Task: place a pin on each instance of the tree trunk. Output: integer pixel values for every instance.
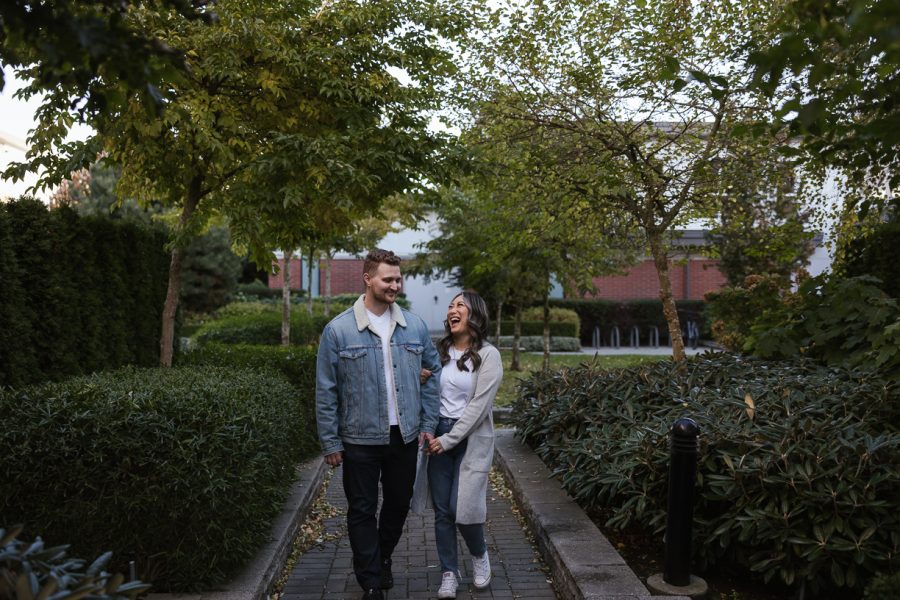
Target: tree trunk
(517, 334)
(499, 321)
(327, 307)
(546, 364)
(167, 334)
(661, 260)
(309, 278)
(286, 299)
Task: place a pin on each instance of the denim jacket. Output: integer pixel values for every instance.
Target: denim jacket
(351, 399)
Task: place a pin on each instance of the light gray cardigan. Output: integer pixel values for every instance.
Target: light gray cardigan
(477, 425)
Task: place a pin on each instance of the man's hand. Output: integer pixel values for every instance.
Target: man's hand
(425, 439)
(335, 458)
(424, 374)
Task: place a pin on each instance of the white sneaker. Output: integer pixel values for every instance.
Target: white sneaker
(482, 569)
(448, 585)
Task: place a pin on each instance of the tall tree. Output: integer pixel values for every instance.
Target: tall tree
(837, 64)
(90, 49)
(278, 97)
(650, 93)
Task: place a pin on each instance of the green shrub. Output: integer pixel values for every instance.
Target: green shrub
(557, 329)
(209, 271)
(31, 570)
(848, 322)
(262, 328)
(798, 475)
(77, 294)
(733, 310)
(534, 343)
(875, 254)
(884, 587)
(185, 468)
(557, 315)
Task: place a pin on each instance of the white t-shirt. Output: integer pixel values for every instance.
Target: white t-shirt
(456, 386)
(382, 326)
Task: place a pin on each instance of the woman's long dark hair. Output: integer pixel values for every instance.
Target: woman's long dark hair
(478, 332)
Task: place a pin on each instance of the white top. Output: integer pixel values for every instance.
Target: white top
(456, 386)
(382, 326)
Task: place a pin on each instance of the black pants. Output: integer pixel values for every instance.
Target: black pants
(395, 466)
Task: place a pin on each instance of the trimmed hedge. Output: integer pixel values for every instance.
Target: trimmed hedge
(557, 329)
(77, 295)
(262, 328)
(533, 343)
(184, 468)
(799, 469)
(643, 313)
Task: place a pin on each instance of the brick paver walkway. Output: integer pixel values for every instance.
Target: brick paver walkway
(325, 571)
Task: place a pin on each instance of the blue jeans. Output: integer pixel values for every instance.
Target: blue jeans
(443, 479)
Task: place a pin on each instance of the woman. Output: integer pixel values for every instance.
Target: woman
(463, 447)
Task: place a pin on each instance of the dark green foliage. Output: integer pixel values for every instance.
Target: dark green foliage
(79, 294)
(16, 360)
(209, 272)
(799, 468)
(732, 311)
(847, 322)
(296, 364)
(625, 315)
(557, 329)
(262, 328)
(48, 573)
(183, 467)
(884, 587)
(876, 254)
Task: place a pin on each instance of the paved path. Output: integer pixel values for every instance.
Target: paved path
(325, 573)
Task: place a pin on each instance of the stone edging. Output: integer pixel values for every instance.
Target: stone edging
(584, 564)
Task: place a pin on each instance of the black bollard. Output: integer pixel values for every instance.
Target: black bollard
(679, 522)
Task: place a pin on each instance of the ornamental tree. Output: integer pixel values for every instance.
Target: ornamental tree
(278, 97)
(650, 95)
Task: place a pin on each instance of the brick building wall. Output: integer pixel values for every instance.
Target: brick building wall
(346, 276)
(276, 280)
(690, 281)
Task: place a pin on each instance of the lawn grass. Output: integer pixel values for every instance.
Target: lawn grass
(531, 362)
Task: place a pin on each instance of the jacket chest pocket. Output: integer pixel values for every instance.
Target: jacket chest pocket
(412, 352)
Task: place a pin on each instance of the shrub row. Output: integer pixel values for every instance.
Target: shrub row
(641, 313)
(557, 329)
(535, 343)
(181, 468)
(263, 327)
(799, 469)
(76, 294)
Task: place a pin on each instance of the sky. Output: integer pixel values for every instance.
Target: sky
(16, 120)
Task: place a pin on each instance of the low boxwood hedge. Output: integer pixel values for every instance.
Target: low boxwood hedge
(557, 329)
(535, 343)
(262, 327)
(799, 470)
(182, 469)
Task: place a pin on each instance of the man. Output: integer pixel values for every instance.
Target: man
(373, 412)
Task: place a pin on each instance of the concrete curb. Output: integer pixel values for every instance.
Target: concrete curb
(585, 565)
(258, 576)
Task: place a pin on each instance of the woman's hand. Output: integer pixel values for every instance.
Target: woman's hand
(435, 447)
(424, 375)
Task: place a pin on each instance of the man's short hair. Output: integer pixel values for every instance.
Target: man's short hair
(378, 256)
